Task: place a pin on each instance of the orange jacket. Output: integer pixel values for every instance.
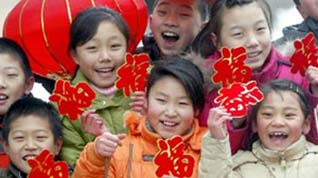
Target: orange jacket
(142, 144)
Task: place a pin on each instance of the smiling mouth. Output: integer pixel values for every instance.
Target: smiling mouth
(253, 54)
(170, 36)
(168, 124)
(3, 97)
(28, 157)
(278, 135)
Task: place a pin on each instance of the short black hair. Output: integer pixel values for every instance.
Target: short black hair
(32, 106)
(202, 5)
(86, 23)
(297, 2)
(183, 70)
(8, 46)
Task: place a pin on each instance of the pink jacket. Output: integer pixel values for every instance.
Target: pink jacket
(276, 67)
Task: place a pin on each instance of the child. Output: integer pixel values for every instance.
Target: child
(174, 24)
(174, 99)
(247, 23)
(281, 121)
(30, 126)
(16, 81)
(98, 44)
(308, 9)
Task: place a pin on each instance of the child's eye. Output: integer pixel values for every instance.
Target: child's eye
(185, 15)
(266, 115)
(161, 100)
(184, 103)
(260, 29)
(161, 12)
(12, 75)
(290, 115)
(115, 46)
(237, 34)
(18, 138)
(41, 138)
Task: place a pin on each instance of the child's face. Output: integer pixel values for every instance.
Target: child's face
(280, 120)
(246, 26)
(174, 24)
(170, 110)
(28, 137)
(100, 57)
(310, 7)
(12, 82)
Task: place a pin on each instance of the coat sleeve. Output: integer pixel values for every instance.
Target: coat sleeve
(74, 140)
(216, 160)
(89, 164)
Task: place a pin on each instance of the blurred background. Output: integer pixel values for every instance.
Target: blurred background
(284, 13)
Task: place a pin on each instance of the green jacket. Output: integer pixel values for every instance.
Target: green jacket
(111, 110)
(11, 172)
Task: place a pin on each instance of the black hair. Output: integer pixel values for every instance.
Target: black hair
(86, 23)
(202, 6)
(8, 46)
(297, 2)
(203, 44)
(183, 70)
(279, 86)
(27, 106)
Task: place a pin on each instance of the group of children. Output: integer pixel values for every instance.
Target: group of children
(120, 134)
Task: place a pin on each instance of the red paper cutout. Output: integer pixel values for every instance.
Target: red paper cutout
(306, 54)
(70, 100)
(171, 159)
(230, 67)
(43, 166)
(238, 96)
(133, 74)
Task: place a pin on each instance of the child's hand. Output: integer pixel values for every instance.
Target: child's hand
(92, 123)
(217, 122)
(106, 144)
(312, 76)
(138, 102)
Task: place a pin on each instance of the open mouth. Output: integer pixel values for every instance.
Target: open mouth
(253, 54)
(168, 124)
(3, 97)
(28, 157)
(278, 135)
(170, 36)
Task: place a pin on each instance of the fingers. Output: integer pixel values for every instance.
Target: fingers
(138, 102)
(312, 74)
(217, 122)
(107, 143)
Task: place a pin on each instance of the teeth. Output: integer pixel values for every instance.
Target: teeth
(170, 34)
(3, 97)
(29, 157)
(253, 54)
(104, 70)
(278, 134)
(170, 124)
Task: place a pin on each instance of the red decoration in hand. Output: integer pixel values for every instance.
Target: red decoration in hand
(172, 160)
(306, 54)
(72, 100)
(230, 67)
(43, 166)
(133, 74)
(42, 28)
(238, 96)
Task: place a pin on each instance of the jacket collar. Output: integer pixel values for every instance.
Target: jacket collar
(16, 172)
(294, 151)
(137, 126)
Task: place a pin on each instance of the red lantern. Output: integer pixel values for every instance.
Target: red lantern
(42, 27)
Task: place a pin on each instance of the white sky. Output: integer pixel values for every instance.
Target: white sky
(284, 13)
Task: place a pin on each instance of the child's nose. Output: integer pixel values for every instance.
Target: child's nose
(30, 144)
(172, 19)
(278, 121)
(3, 82)
(171, 111)
(104, 56)
(252, 41)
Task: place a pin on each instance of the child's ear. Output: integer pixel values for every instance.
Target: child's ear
(5, 147)
(58, 146)
(29, 85)
(306, 126)
(254, 126)
(214, 39)
(73, 54)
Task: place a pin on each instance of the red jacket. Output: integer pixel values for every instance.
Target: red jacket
(276, 67)
(143, 144)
